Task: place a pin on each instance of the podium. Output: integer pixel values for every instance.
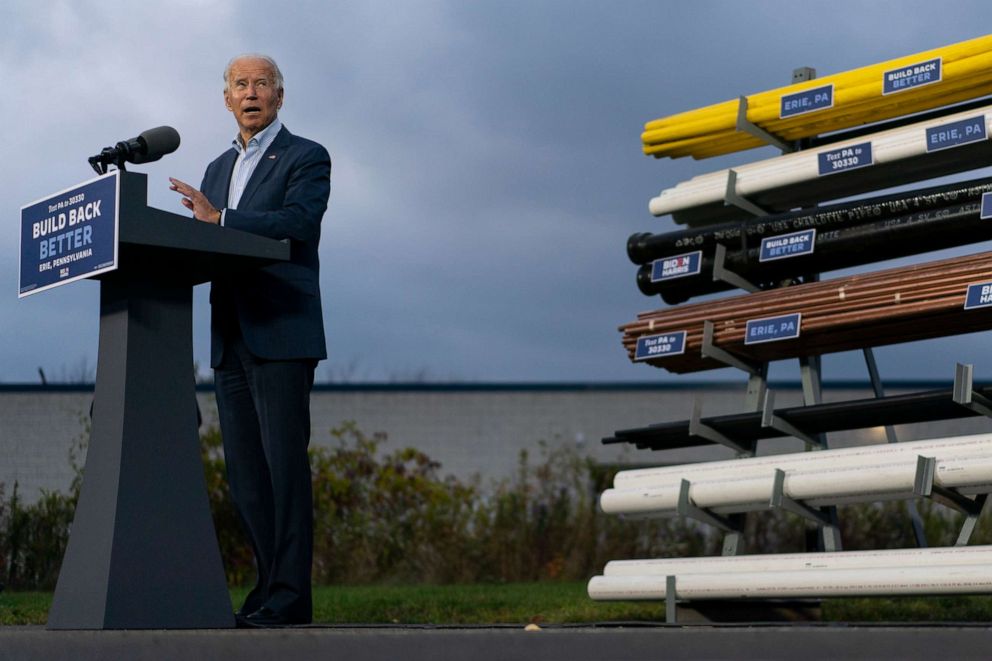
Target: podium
(142, 552)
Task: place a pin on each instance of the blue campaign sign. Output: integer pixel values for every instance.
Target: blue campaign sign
(911, 75)
(799, 103)
(978, 296)
(69, 235)
(659, 346)
(956, 133)
(787, 245)
(679, 266)
(845, 158)
(986, 206)
(772, 329)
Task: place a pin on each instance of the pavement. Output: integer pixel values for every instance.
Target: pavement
(632, 642)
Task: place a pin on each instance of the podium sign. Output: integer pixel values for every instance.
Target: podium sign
(70, 235)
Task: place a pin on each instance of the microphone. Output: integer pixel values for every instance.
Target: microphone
(150, 146)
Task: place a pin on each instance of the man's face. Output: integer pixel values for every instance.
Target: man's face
(252, 96)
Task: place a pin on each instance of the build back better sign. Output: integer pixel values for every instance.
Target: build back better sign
(69, 235)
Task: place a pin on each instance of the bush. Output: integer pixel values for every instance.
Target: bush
(392, 517)
(33, 537)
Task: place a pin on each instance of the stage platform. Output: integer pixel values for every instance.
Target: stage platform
(557, 643)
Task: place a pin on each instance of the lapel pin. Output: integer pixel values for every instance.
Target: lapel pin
(272, 157)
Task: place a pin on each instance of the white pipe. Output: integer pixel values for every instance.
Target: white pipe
(812, 485)
(875, 581)
(929, 557)
(887, 147)
(974, 445)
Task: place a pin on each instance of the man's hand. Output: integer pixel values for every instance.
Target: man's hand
(196, 202)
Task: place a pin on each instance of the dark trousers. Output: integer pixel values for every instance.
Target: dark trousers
(264, 410)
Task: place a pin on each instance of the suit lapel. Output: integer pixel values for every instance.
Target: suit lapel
(265, 166)
(216, 186)
(227, 167)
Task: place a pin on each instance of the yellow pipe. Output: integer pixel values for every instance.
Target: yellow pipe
(855, 114)
(977, 72)
(966, 72)
(872, 73)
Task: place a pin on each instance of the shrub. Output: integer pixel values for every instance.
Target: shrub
(392, 517)
(33, 537)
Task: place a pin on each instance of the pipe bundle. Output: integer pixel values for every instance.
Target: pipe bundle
(847, 235)
(731, 564)
(904, 409)
(886, 307)
(865, 482)
(784, 182)
(660, 476)
(829, 477)
(858, 98)
(645, 247)
(805, 583)
(947, 570)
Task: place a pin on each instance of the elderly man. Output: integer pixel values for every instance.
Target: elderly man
(267, 334)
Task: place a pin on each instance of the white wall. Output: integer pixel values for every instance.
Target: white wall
(468, 428)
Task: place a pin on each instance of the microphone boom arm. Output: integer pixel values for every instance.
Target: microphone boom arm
(150, 146)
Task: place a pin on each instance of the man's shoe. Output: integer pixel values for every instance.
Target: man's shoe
(245, 611)
(265, 618)
(252, 603)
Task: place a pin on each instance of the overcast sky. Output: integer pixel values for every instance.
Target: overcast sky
(487, 164)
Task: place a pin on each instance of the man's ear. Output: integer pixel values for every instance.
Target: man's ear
(227, 100)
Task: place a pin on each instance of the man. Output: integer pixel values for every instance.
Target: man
(267, 334)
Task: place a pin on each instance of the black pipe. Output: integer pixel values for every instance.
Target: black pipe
(909, 408)
(645, 247)
(902, 236)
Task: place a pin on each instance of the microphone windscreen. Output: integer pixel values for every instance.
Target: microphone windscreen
(158, 142)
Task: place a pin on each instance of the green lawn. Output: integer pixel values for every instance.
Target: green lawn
(523, 603)
(518, 603)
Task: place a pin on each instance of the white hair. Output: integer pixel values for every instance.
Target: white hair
(276, 74)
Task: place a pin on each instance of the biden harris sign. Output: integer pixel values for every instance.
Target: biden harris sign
(69, 235)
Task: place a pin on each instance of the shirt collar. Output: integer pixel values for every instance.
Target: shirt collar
(263, 138)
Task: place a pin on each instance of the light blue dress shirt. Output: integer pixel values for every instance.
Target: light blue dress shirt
(248, 158)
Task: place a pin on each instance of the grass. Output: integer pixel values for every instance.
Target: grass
(910, 609)
(24, 607)
(523, 603)
(513, 603)
(506, 603)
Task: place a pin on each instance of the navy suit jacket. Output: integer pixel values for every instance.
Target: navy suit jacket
(277, 306)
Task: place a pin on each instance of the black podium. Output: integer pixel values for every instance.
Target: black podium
(142, 552)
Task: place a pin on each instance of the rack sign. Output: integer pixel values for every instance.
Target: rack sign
(956, 133)
(784, 246)
(800, 103)
(845, 158)
(659, 346)
(978, 296)
(679, 266)
(773, 329)
(911, 76)
(986, 212)
(70, 235)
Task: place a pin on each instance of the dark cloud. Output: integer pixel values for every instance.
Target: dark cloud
(487, 158)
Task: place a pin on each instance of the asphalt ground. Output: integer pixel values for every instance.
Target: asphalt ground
(561, 643)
